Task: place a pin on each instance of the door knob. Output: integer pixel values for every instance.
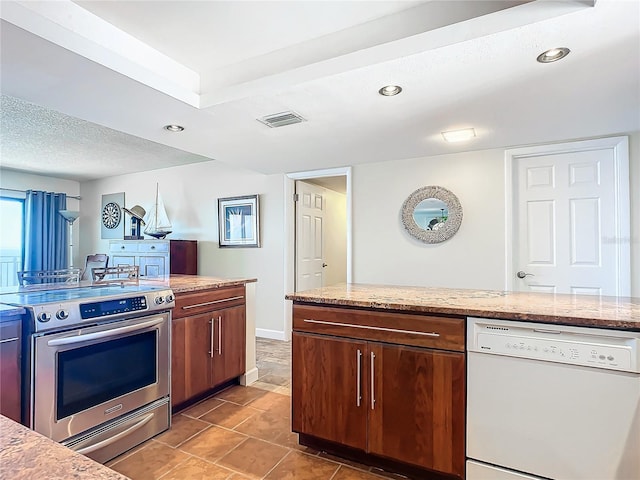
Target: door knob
(324, 264)
(522, 274)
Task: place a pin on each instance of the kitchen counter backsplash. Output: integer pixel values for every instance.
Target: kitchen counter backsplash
(580, 310)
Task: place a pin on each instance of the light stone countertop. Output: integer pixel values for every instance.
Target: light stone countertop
(27, 455)
(193, 283)
(578, 310)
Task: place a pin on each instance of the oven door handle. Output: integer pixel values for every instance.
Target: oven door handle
(116, 437)
(112, 332)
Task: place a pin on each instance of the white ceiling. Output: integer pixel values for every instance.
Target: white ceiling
(87, 86)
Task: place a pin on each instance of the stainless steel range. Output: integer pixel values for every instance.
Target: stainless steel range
(98, 365)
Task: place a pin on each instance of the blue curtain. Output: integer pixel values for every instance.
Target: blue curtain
(46, 242)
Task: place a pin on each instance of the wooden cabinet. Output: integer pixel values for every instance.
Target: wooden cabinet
(183, 256)
(10, 378)
(208, 342)
(389, 384)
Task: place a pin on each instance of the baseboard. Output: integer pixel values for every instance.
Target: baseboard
(249, 377)
(273, 334)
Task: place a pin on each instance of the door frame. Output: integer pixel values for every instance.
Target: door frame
(290, 231)
(620, 147)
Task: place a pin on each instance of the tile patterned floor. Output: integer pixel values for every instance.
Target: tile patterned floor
(240, 433)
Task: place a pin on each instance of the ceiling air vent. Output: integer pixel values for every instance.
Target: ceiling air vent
(281, 119)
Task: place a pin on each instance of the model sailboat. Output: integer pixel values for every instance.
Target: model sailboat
(156, 220)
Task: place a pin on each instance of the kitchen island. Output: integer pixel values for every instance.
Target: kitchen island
(25, 454)
(380, 372)
(576, 310)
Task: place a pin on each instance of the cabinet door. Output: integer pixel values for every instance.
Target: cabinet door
(418, 413)
(10, 383)
(122, 261)
(152, 265)
(229, 344)
(329, 397)
(178, 367)
(199, 350)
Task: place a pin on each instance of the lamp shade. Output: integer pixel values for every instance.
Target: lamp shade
(69, 215)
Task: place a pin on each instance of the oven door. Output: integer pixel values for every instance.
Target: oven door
(85, 377)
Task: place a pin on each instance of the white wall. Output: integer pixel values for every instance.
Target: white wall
(190, 196)
(384, 253)
(474, 258)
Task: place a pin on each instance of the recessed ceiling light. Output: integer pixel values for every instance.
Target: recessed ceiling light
(174, 128)
(553, 55)
(390, 90)
(459, 135)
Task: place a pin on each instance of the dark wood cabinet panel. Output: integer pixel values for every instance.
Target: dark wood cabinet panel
(329, 399)
(419, 413)
(178, 357)
(199, 344)
(10, 378)
(183, 257)
(230, 345)
(412, 408)
(209, 342)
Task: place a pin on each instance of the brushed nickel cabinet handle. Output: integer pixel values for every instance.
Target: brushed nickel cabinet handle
(373, 381)
(220, 335)
(369, 327)
(213, 302)
(211, 339)
(358, 378)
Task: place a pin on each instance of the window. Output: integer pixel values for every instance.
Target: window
(11, 239)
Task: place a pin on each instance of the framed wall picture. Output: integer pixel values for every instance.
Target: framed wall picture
(238, 221)
(112, 216)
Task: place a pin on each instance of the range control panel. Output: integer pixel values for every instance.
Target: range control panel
(68, 314)
(609, 349)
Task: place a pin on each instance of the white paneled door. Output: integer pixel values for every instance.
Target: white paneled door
(571, 218)
(310, 220)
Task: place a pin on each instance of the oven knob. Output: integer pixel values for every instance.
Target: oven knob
(159, 300)
(62, 314)
(44, 317)
(169, 298)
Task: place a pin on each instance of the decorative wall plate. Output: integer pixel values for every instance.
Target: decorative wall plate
(432, 214)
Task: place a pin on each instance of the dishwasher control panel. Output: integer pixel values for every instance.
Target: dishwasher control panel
(608, 349)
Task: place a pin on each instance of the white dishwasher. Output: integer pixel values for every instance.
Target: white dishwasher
(551, 401)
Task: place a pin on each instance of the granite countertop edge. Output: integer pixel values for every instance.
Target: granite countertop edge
(194, 283)
(550, 313)
(27, 454)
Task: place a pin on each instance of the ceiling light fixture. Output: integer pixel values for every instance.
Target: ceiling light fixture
(390, 90)
(553, 55)
(459, 135)
(174, 128)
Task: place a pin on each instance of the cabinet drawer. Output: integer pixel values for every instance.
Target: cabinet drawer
(10, 330)
(206, 300)
(153, 247)
(123, 247)
(431, 331)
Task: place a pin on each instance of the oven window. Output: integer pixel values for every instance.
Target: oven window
(90, 375)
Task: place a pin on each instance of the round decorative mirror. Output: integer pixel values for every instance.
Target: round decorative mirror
(432, 214)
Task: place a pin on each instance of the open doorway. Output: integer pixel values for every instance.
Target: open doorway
(336, 183)
(320, 232)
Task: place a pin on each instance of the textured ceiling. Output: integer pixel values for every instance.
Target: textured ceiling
(461, 64)
(55, 144)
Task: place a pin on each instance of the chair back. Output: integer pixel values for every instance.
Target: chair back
(99, 260)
